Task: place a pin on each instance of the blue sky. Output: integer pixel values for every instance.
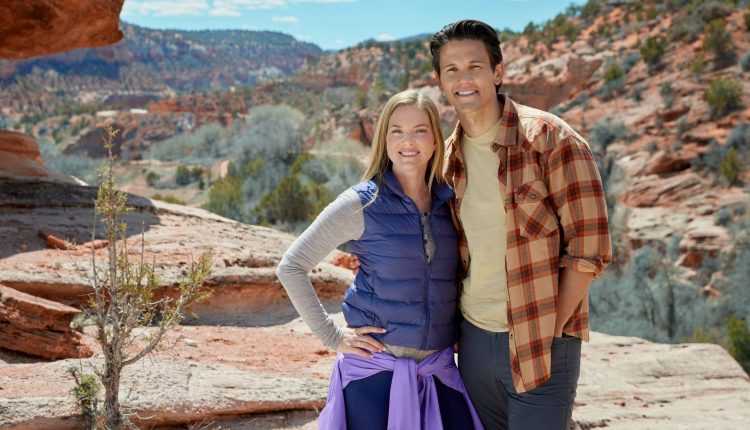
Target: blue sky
(336, 24)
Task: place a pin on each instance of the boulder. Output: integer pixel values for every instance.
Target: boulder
(20, 158)
(39, 327)
(41, 27)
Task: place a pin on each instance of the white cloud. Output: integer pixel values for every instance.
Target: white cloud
(165, 7)
(286, 19)
(385, 38)
(217, 11)
(211, 7)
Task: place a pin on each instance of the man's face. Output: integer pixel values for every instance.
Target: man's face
(466, 77)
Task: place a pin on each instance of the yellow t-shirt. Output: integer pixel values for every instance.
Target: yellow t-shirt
(484, 293)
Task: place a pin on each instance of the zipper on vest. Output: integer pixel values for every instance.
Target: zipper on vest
(428, 266)
(427, 278)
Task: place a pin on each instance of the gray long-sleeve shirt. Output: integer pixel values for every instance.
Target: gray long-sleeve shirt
(338, 223)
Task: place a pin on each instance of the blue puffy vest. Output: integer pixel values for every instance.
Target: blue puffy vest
(395, 287)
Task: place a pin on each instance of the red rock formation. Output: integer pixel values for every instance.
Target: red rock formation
(537, 89)
(39, 327)
(19, 155)
(40, 27)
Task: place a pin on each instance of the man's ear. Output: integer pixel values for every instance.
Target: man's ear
(499, 71)
(437, 79)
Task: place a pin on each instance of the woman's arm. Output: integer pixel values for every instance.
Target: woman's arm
(338, 223)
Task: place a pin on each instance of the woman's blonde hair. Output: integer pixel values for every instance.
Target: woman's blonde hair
(380, 162)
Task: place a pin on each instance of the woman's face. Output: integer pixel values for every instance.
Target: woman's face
(409, 140)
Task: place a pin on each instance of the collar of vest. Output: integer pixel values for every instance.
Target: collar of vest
(441, 192)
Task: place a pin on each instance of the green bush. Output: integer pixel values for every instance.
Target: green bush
(739, 341)
(723, 95)
(86, 389)
(226, 198)
(717, 40)
(731, 167)
(152, 178)
(614, 71)
(182, 177)
(747, 21)
(653, 49)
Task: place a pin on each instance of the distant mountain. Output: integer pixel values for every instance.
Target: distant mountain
(149, 61)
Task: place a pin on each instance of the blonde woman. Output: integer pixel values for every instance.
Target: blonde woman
(395, 367)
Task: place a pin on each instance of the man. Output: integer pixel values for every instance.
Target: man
(533, 232)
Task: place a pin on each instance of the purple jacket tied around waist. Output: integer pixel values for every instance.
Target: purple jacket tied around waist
(413, 399)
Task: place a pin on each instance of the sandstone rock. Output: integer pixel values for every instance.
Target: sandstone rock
(20, 158)
(543, 89)
(162, 391)
(672, 114)
(646, 191)
(631, 384)
(245, 288)
(38, 327)
(668, 162)
(43, 27)
(626, 383)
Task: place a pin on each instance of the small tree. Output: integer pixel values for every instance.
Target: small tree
(125, 294)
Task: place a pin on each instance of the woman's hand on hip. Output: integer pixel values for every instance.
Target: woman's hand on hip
(357, 341)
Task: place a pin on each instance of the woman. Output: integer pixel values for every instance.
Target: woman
(398, 359)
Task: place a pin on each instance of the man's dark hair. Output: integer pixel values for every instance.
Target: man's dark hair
(462, 30)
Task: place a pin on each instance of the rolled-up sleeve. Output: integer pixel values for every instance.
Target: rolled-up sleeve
(577, 195)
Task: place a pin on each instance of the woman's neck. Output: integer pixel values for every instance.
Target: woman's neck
(414, 186)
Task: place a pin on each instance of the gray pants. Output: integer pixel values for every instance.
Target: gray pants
(484, 363)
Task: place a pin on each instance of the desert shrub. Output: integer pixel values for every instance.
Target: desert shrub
(226, 198)
(667, 94)
(723, 95)
(605, 132)
(591, 9)
(739, 341)
(152, 178)
(205, 143)
(717, 40)
(745, 61)
(612, 89)
(698, 66)
(637, 92)
(731, 167)
(723, 216)
(630, 61)
(652, 51)
(614, 71)
(727, 161)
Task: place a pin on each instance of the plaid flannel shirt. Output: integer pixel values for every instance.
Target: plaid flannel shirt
(557, 217)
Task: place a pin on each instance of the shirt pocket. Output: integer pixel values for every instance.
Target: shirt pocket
(533, 216)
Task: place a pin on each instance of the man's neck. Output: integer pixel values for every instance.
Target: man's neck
(478, 122)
